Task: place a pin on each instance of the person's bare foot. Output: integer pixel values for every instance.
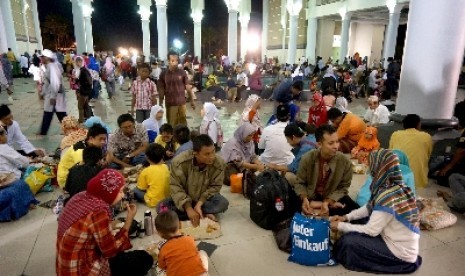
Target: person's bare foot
(212, 217)
(32, 206)
(446, 196)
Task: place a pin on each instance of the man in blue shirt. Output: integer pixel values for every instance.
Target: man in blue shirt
(288, 91)
(295, 136)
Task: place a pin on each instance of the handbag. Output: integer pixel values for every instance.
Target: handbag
(310, 241)
(282, 235)
(37, 178)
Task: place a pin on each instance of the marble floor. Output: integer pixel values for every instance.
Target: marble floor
(27, 246)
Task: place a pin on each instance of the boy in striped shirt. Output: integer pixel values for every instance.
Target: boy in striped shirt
(144, 93)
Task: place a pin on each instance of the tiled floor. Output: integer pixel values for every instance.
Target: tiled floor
(27, 246)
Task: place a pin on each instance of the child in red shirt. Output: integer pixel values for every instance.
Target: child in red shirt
(179, 255)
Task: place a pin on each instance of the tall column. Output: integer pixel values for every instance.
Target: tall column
(144, 11)
(428, 85)
(233, 8)
(162, 29)
(266, 6)
(390, 40)
(345, 16)
(25, 7)
(293, 7)
(87, 14)
(35, 14)
(197, 15)
(244, 18)
(312, 28)
(3, 35)
(78, 23)
(284, 28)
(9, 27)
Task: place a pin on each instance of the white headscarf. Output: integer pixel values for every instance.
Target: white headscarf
(151, 123)
(109, 64)
(56, 72)
(211, 112)
(253, 98)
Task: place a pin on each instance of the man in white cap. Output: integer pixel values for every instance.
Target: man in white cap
(52, 91)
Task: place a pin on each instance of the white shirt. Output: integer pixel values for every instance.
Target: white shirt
(23, 62)
(16, 137)
(380, 115)
(11, 160)
(277, 149)
(242, 78)
(402, 242)
(156, 73)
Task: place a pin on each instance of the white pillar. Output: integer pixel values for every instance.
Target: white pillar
(284, 28)
(428, 85)
(266, 6)
(162, 29)
(144, 11)
(293, 7)
(9, 27)
(87, 10)
(89, 37)
(312, 28)
(244, 35)
(35, 14)
(197, 7)
(3, 36)
(233, 7)
(78, 22)
(198, 39)
(25, 6)
(390, 40)
(345, 16)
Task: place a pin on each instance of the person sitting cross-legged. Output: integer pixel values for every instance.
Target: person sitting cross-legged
(196, 180)
(153, 184)
(80, 174)
(127, 145)
(324, 177)
(389, 241)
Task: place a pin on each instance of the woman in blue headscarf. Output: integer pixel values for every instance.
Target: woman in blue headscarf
(389, 241)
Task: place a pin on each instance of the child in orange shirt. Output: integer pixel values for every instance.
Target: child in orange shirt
(179, 255)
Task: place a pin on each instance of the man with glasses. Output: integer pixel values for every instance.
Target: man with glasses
(15, 135)
(127, 145)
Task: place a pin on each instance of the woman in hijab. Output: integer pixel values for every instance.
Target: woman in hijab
(108, 76)
(72, 131)
(389, 241)
(211, 124)
(153, 123)
(83, 86)
(52, 91)
(407, 175)
(251, 114)
(239, 153)
(367, 143)
(85, 243)
(317, 113)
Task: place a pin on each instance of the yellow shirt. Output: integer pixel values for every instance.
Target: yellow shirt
(159, 141)
(417, 145)
(69, 159)
(155, 180)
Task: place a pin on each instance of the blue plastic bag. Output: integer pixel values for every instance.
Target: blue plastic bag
(310, 241)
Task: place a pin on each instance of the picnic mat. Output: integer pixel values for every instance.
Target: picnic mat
(207, 230)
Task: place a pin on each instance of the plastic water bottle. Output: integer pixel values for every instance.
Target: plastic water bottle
(59, 205)
(148, 223)
(279, 205)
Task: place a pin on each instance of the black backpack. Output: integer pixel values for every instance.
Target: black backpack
(269, 202)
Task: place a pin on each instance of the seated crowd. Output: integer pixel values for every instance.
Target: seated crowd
(183, 175)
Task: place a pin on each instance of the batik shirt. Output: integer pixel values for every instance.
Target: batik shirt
(122, 145)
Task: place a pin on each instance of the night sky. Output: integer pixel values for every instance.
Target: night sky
(116, 22)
